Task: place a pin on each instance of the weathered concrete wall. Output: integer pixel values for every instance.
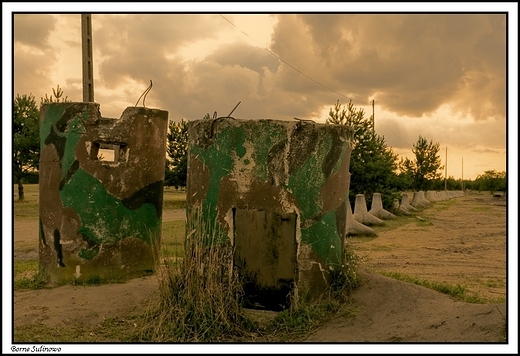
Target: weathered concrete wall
(278, 191)
(100, 217)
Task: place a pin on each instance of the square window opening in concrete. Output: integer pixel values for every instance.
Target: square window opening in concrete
(265, 255)
(109, 152)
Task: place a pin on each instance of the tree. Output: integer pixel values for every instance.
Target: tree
(426, 164)
(372, 163)
(177, 150)
(26, 134)
(405, 175)
(56, 97)
(26, 139)
(491, 181)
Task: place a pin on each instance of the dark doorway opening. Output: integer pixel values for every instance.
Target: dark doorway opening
(265, 255)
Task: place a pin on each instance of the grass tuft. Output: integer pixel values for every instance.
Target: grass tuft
(457, 291)
(36, 280)
(199, 297)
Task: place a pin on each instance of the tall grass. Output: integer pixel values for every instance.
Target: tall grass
(200, 292)
(200, 297)
(172, 239)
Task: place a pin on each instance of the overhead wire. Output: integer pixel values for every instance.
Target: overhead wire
(317, 82)
(383, 121)
(308, 77)
(290, 65)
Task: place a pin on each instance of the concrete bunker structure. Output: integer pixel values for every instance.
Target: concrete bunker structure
(277, 191)
(101, 191)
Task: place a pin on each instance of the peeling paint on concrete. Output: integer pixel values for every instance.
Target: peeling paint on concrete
(279, 167)
(104, 212)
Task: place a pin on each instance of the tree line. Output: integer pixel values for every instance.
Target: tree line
(374, 167)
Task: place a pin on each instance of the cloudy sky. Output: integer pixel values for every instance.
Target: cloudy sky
(439, 71)
(439, 75)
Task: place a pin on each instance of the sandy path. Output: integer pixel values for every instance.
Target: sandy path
(465, 243)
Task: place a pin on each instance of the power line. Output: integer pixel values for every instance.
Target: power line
(290, 65)
(395, 134)
(315, 81)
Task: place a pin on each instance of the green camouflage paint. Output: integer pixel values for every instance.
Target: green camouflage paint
(306, 182)
(324, 239)
(104, 218)
(286, 167)
(100, 218)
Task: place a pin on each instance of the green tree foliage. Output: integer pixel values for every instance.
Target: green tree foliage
(56, 97)
(449, 184)
(425, 168)
(26, 135)
(372, 163)
(177, 150)
(405, 175)
(491, 181)
(26, 139)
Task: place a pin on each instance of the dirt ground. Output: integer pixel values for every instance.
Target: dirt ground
(465, 244)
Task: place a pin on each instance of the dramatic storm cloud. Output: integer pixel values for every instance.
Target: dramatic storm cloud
(442, 76)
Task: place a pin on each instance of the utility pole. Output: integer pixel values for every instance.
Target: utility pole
(446, 172)
(462, 173)
(86, 49)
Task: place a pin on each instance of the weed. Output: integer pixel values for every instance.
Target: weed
(38, 280)
(346, 279)
(174, 199)
(109, 330)
(392, 224)
(25, 266)
(302, 317)
(291, 324)
(456, 291)
(494, 283)
(201, 295)
(172, 242)
(198, 297)
(174, 204)
(444, 204)
(201, 299)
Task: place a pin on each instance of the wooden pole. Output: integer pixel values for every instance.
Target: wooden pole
(86, 47)
(462, 173)
(446, 172)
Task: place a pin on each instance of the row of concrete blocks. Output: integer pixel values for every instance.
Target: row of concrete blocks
(421, 200)
(358, 222)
